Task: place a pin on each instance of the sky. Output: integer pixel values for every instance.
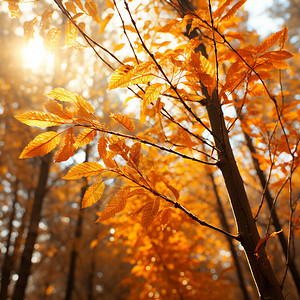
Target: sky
(259, 19)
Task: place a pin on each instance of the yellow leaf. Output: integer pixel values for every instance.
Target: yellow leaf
(79, 4)
(105, 22)
(41, 145)
(93, 194)
(85, 137)
(151, 95)
(14, 9)
(92, 10)
(71, 7)
(68, 148)
(120, 77)
(40, 119)
(123, 120)
(85, 169)
(62, 95)
(57, 109)
(51, 39)
(232, 11)
(109, 4)
(119, 46)
(71, 33)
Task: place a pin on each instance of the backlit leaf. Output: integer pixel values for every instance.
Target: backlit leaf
(57, 109)
(232, 11)
(85, 169)
(85, 137)
(151, 95)
(40, 119)
(93, 194)
(270, 41)
(102, 145)
(71, 33)
(52, 38)
(41, 145)
(68, 148)
(123, 120)
(62, 95)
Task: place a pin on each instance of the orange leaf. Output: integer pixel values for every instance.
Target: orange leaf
(85, 137)
(40, 119)
(232, 11)
(151, 95)
(263, 240)
(68, 148)
(150, 210)
(57, 109)
(102, 144)
(135, 153)
(115, 205)
(165, 217)
(270, 41)
(93, 194)
(105, 22)
(85, 169)
(123, 120)
(41, 145)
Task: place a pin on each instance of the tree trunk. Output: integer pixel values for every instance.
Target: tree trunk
(275, 219)
(225, 225)
(7, 264)
(263, 275)
(77, 237)
(25, 265)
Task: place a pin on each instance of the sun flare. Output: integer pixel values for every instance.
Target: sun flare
(35, 56)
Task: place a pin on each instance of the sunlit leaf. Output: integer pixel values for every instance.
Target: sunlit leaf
(93, 194)
(41, 145)
(85, 169)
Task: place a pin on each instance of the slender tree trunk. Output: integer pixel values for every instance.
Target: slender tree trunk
(7, 266)
(263, 275)
(77, 237)
(25, 265)
(226, 226)
(275, 219)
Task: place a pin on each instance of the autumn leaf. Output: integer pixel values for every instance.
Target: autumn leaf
(40, 119)
(41, 145)
(68, 148)
(93, 194)
(57, 109)
(85, 137)
(150, 210)
(264, 240)
(135, 153)
(85, 169)
(62, 95)
(232, 11)
(52, 38)
(105, 22)
(71, 33)
(102, 145)
(123, 120)
(116, 205)
(151, 95)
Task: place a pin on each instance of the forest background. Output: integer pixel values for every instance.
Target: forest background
(144, 139)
